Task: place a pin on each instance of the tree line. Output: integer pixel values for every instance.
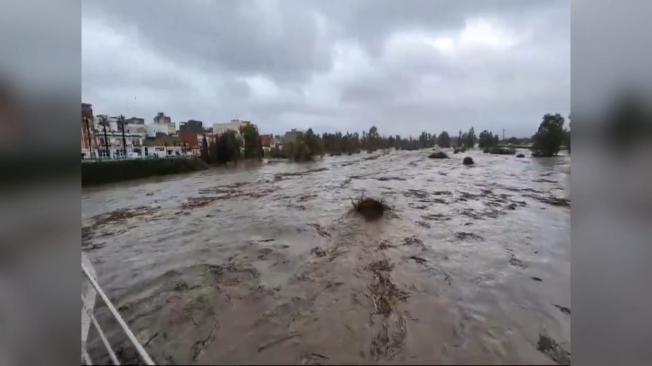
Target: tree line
(226, 147)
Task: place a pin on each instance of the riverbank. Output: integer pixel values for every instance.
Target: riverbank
(102, 172)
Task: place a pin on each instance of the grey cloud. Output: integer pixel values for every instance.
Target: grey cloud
(331, 64)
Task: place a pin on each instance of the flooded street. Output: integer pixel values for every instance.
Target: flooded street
(268, 264)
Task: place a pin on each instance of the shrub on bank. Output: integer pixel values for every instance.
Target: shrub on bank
(118, 170)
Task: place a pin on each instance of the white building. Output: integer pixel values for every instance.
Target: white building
(134, 143)
(155, 128)
(162, 124)
(234, 125)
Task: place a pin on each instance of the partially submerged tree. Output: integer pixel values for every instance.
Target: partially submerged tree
(427, 140)
(567, 138)
(313, 142)
(444, 140)
(304, 147)
(469, 139)
(251, 138)
(438, 155)
(487, 140)
(226, 148)
(204, 149)
(549, 136)
(373, 139)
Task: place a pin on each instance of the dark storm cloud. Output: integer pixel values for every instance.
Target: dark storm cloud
(404, 66)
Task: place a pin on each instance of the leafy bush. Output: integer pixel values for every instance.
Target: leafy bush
(549, 136)
(252, 143)
(438, 155)
(226, 148)
(499, 150)
(118, 170)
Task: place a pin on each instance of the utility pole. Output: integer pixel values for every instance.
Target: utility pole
(503, 134)
(121, 120)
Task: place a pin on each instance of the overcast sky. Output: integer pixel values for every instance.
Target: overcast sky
(404, 66)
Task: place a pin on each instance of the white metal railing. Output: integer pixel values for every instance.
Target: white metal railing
(116, 315)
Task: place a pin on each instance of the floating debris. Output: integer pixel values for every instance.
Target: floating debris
(468, 236)
(418, 259)
(563, 309)
(323, 233)
(318, 252)
(371, 209)
(438, 155)
(517, 262)
(551, 348)
(281, 176)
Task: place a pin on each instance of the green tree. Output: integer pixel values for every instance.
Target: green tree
(226, 148)
(444, 140)
(469, 139)
(298, 150)
(373, 139)
(252, 145)
(487, 140)
(204, 149)
(426, 140)
(104, 122)
(549, 136)
(313, 142)
(567, 138)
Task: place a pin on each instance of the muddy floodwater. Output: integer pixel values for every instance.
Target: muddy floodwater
(266, 263)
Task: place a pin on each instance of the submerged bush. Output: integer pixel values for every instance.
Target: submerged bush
(370, 208)
(500, 150)
(468, 161)
(549, 136)
(438, 155)
(117, 170)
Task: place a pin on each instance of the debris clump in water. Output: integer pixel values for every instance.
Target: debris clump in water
(551, 348)
(370, 208)
(438, 155)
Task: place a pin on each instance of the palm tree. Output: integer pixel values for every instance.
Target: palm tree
(121, 121)
(87, 129)
(103, 121)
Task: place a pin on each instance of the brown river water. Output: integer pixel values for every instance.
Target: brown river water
(266, 263)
